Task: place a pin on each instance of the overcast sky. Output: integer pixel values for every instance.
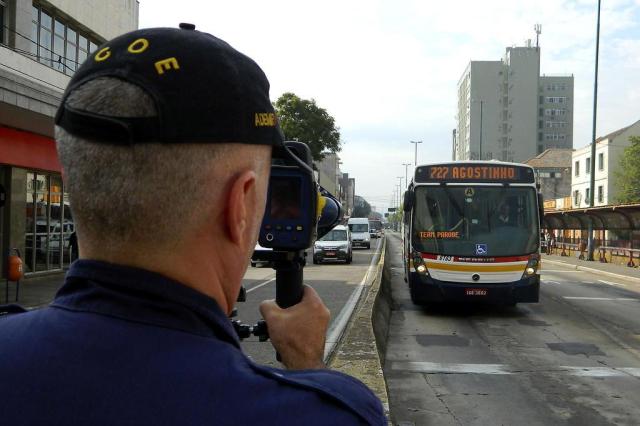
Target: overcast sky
(388, 70)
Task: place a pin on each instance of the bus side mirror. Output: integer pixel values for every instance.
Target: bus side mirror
(407, 204)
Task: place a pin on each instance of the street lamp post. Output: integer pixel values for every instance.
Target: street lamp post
(592, 182)
(481, 103)
(481, 123)
(415, 161)
(406, 179)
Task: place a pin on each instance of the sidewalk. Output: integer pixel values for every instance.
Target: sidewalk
(35, 292)
(609, 269)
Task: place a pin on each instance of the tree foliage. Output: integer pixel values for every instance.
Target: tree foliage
(628, 173)
(303, 120)
(361, 208)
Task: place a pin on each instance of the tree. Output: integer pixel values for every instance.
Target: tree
(362, 208)
(304, 120)
(628, 173)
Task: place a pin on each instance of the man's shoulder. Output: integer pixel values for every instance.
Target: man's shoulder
(340, 390)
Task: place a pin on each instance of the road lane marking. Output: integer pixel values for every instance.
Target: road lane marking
(503, 369)
(627, 299)
(261, 284)
(550, 282)
(441, 368)
(542, 271)
(612, 283)
(338, 326)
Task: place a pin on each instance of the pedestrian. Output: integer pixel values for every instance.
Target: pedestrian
(73, 247)
(165, 139)
(552, 242)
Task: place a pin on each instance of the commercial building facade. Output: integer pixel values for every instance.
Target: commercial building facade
(502, 107)
(42, 43)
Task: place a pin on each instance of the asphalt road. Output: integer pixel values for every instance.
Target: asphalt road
(572, 359)
(335, 282)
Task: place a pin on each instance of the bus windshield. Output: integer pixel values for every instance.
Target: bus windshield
(475, 220)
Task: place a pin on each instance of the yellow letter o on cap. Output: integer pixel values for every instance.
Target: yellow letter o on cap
(103, 54)
(138, 46)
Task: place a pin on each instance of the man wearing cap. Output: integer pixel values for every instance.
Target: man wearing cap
(165, 137)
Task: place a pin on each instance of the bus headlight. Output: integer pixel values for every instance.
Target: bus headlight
(532, 266)
(418, 264)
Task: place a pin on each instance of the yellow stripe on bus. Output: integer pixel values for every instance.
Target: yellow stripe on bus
(476, 267)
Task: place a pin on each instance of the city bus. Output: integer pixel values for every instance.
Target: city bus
(471, 233)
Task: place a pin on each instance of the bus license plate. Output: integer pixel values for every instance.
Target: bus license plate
(475, 291)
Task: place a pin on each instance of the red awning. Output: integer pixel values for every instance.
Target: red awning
(28, 150)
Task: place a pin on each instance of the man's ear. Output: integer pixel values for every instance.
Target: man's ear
(241, 203)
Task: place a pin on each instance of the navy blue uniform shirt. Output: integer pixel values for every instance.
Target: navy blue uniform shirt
(120, 346)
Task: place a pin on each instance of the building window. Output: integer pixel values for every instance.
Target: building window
(576, 198)
(556, 99)
(577, 168)
(600, 194)
(588, 165)
(555, 136)
(587, 194)
(48, 221)
(56, 44)
(601, 161)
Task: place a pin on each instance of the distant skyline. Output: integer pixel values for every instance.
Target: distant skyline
(388, 71)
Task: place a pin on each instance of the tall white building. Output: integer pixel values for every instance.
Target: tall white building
(42, 43)
(502, 107)
(609, 150)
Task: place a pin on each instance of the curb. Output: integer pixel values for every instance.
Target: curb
(357, 353)
(592, 270)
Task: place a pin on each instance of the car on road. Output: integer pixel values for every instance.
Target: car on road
(335, 245)
(254, 259)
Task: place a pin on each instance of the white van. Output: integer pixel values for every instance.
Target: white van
(359, 227)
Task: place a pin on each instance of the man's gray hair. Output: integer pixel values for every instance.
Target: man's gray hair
(149, 194)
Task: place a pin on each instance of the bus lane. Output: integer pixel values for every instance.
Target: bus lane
(572, 358)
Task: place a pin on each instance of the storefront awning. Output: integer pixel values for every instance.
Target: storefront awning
(29, 150)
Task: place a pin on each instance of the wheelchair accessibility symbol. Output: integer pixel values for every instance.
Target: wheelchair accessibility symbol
(481, 249)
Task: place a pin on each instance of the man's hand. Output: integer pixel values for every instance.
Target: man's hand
(298, 332)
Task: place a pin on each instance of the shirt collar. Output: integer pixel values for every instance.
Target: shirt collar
(142, 296)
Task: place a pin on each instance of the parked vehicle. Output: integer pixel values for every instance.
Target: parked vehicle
(335, 245)
(360, 236)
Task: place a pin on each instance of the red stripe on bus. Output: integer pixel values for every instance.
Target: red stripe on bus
(470, 259)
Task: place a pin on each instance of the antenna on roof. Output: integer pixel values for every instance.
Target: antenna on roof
(538, 30)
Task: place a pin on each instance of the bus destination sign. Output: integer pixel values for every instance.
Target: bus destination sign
(469, 172)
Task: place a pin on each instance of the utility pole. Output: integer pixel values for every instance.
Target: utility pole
(415, 160)
(592, 183)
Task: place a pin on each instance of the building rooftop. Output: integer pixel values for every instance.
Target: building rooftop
(551, 158)
(612, 135)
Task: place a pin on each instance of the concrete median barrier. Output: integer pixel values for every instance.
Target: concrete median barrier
(359, 351)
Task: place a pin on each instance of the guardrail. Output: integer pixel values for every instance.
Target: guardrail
(570, 249)
(629, 253)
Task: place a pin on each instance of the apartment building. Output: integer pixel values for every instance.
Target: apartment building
(502, 107)
(609, 150)
(42, 44)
